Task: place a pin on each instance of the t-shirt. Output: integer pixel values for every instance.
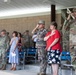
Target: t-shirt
(52, 38)
(34, 37)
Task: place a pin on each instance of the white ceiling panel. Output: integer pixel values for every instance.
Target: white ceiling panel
(25, 5)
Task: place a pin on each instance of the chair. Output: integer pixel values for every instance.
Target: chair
(7, 56)
(65, 56)
(31, 54)
(22, 58)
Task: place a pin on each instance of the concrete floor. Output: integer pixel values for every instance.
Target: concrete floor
(32, 70)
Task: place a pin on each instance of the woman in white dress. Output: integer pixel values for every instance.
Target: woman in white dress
(13, 56)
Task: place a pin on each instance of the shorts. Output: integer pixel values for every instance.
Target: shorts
(53, 57)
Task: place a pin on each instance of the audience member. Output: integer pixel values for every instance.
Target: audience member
(53, 47)
(40, 45)
(13, 56)
(27, 39)
(4, 45)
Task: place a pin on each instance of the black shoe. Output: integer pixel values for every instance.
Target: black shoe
(38, 74)
(41, 74)
(3, 67)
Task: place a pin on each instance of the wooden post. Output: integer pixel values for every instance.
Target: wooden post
(53, 13)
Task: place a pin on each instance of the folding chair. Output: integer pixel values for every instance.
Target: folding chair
(7, 56)
(65, 56)
(31, 54)
(22, 58)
